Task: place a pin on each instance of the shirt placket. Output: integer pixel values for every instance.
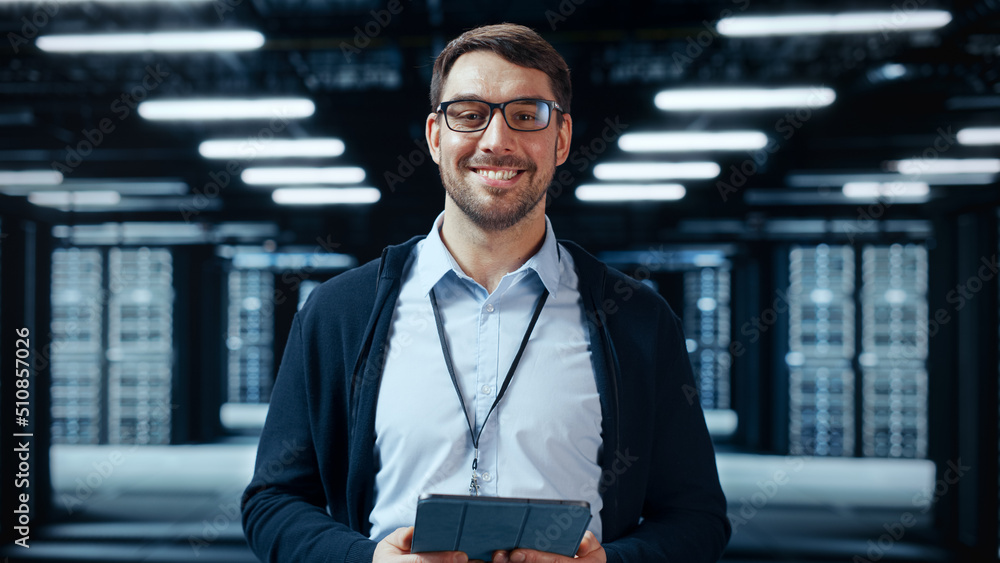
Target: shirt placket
(488, 379)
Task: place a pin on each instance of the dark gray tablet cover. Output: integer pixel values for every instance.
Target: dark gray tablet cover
(480, 525)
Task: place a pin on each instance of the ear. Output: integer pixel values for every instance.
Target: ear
(432, 131)
(563, 138)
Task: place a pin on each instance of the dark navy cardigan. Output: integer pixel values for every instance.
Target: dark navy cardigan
(314, 482)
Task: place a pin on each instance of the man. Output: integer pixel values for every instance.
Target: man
(486, 358)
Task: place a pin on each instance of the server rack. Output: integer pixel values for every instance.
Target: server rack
(77, 345)
(707, 320)
(894, 351)
(140, 345)
(250, 335)
(112, 359)
(820, 350)
(857, 350)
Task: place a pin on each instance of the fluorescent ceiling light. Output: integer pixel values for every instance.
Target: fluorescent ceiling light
(68, 199)
(630, 192)
(820, 24)
(891, 71)
(122, 186)
(301, 175)
(979, 136)
(274, 148)
(656, 170)
(689, 142)
(163, 42)
(314, 196)
(819, 180)
(721, 99)
(217, 109)
(30, 178)
(946, 166)
(867, 190)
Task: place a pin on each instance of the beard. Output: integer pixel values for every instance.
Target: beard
(490, 208)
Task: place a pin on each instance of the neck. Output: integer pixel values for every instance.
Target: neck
(486, 256)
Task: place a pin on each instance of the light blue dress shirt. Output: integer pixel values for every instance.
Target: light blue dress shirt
(543, 439)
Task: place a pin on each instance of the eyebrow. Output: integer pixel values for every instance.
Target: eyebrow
(472, 96)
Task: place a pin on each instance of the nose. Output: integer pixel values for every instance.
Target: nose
(498, 137)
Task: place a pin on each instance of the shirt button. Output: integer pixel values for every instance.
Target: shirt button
(487, 476)
(486, 389)
(489, 307)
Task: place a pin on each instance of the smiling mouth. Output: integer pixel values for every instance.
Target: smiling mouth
(497, 174)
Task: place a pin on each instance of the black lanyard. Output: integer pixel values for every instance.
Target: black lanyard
(474, 485)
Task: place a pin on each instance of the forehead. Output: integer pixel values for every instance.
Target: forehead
(491, 77)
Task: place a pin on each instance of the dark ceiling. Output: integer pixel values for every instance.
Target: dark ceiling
(372, 93)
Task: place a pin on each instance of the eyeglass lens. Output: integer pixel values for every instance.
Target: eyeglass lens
(524, 115)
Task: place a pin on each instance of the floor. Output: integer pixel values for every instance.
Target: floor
(180, 503)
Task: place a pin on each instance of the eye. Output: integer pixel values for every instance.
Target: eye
(525, 112)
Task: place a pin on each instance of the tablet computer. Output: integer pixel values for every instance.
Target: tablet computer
(481, 525)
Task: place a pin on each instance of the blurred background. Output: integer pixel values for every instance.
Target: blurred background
(812, 187)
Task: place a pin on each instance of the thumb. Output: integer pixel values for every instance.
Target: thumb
(401, 538)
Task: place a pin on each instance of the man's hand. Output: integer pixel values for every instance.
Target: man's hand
(590, 552)
(395, 548)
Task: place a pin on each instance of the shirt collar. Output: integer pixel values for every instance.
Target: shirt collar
(434, 260)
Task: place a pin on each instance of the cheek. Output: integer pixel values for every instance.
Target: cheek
(453, 149)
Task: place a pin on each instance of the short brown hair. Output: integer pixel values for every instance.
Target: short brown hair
(514, 43)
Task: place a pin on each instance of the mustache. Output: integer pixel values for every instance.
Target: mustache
(480, 161)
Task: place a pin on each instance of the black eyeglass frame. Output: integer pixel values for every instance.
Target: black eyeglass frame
(443, 107)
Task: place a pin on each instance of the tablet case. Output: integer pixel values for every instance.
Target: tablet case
(480, 525)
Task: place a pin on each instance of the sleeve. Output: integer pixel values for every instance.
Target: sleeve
(284, 507)
(684, 515)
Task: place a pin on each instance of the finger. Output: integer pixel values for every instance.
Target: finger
(436, 557)
(501, 556)
(401, 538)
(532, 556)
(588, 544)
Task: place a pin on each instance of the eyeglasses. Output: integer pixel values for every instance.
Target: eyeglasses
(468, 116)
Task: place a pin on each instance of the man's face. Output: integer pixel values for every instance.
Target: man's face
(521, 162)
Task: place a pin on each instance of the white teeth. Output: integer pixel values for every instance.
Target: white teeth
(497, 174)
